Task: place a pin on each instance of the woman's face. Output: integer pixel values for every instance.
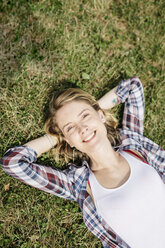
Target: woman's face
(83, 127)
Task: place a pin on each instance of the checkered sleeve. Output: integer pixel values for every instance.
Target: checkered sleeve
(19, 162)
(131, 93)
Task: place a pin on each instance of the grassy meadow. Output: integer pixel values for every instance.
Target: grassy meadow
(52, 44)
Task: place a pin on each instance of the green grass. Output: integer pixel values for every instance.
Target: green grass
(49, 44)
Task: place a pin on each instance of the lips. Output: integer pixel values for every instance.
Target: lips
(89, 137)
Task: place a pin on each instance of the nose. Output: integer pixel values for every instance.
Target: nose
(83, 129)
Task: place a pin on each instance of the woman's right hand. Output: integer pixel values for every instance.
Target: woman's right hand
(42, 144)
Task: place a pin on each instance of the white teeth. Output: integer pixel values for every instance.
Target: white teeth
(89, 137)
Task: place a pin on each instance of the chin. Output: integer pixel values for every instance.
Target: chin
(94, 148)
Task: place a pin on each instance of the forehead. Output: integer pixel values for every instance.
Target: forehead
(70, 111)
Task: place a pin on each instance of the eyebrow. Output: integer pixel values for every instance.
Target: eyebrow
(71, 122)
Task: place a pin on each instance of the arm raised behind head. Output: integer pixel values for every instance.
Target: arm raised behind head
(19, 162)
(130, 92)
(42, 144)
(109, 100)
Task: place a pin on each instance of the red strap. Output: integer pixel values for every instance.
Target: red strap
(89, 184)
(129, 151)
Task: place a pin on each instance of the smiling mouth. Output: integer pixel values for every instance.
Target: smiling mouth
(90, 137)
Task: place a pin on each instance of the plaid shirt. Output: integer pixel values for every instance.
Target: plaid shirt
(71, 183)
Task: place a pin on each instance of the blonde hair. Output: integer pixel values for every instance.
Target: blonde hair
(63, 149)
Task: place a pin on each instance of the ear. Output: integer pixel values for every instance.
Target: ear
(101, 115)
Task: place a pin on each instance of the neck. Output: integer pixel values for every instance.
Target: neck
(105, 157)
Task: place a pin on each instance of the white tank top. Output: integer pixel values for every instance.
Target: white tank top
(136, 209)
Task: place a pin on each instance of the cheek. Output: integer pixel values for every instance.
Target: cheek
(98, 123)
(101, 126)
(73, 139)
